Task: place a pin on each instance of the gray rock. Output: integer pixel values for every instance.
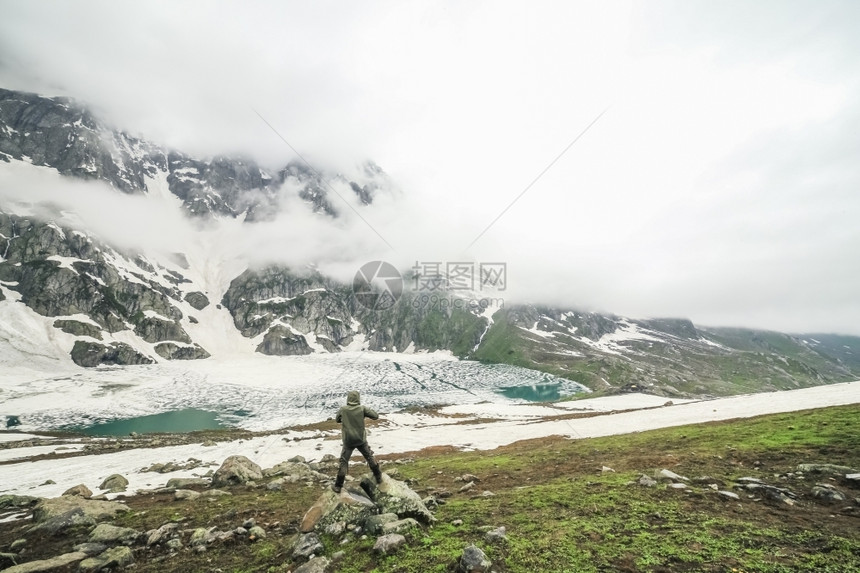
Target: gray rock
(306, 546)
(853, 477)
(57, 514)
(256, 532)
(668, 475)
(18, 544)
(79, 490)
(729, 495)
(184, 483)
(828, 493)
(373, 524)
(90, 548)
(65, 560)
(236, 470)
(199, 536)
(315, 565)
(473, 560)
(399, 526)
(393, 496)
(496, 535)
(114, 483)
(293, 472)
(174, 544)
(331, 508)
(186, 494)
(388, 544)
(162, 534)
(107, 534)
(113, 558)
(825, 469)
(647, 481)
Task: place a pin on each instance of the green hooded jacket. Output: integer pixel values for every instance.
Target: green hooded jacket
(352, 417)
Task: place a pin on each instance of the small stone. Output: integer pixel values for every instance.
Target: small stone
(729, 495)
(457, 522)
(668, 475)
(256, 532)
(79, 490)
(466, 487)
(186, 494)
(495, 535)
(647, 481)
(315, 565)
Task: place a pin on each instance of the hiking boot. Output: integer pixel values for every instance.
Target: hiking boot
(335, 488)
(377, 475)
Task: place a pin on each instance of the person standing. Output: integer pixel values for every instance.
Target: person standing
(351, 417)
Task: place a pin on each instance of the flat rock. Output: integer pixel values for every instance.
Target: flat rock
(52, 564)
(97, 510)
(107, 533)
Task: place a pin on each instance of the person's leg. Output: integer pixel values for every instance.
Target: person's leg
(345, 454)
(371, 461)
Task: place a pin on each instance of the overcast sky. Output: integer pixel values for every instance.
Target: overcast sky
(721, 184)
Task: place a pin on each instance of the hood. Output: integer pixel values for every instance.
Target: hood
(353, 398)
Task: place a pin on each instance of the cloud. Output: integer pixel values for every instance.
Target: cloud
(718, 186)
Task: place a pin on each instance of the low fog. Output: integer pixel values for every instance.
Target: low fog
(720, 185)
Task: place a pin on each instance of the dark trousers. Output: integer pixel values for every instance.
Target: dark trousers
(346, 453)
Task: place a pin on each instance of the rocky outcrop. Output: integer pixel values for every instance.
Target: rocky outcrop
(91, 354)
(197, 300)
(78, 328)
(281, 341)
(171, 351)
(154, 329)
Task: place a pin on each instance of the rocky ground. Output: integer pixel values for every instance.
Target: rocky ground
(776, 493)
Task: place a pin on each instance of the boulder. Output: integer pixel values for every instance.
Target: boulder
(331, 508)
(473, 560)
(114, 483)
(388, 544)
(79, 490)
(113, 558)
(108, 534)
(393, 496)
(236, 470)
(293, 472)
(173, 351)
(59, 513)
(828, 493)
(189, 494)
(91, 354)
(306, 546)
(197, 300)
(374, 524)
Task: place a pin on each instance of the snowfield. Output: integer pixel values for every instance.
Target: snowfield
(407, 432)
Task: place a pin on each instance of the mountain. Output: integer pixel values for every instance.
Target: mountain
(67, 295)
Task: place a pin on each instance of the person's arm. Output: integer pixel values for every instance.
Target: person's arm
(370, 413)
(338, 418)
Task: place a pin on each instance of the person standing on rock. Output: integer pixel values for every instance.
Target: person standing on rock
(352, 418)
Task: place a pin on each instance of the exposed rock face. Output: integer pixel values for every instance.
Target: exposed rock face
(154, 329)
(171, 351)
(90, 354)
(79, 328)
(197, 300)
(281, 341)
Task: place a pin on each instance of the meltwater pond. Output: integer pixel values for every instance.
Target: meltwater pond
(187, 420)
(267, 393)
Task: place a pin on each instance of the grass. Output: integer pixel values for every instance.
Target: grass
(562, 512)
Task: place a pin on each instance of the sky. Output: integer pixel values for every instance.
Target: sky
(719, 181)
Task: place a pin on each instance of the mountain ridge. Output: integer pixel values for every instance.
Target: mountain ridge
(125, 307)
